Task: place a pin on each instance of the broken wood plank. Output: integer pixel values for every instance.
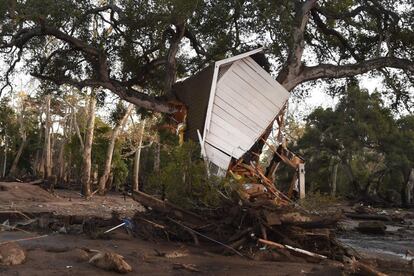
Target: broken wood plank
(300, 251)
(189, 267)
(156, 225)
(271, 244)
(305, 252)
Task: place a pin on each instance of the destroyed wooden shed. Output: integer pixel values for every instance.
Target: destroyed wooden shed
(230, 104)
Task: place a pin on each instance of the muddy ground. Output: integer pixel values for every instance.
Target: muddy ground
(58, 253)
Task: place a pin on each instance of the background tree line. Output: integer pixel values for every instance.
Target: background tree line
(360, 149)
(62, 139)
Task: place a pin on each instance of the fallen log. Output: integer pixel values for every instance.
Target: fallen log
(167, 208)
(368, 217)
(36, 182)
(372, 227)
(309, 221)
(156, 225)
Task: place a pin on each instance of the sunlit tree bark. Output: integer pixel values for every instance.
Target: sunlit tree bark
(110, 151)
(87, 151)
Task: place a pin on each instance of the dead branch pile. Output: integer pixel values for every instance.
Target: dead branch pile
(244, 229)
(263, 224)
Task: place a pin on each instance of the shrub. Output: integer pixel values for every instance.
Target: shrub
(183, 180)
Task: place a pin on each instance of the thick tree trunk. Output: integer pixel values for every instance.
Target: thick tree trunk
(13, 169)
(87, 152)
(22, 132)
(47, 142)
(409, 188)
(334, 179)
(171, 68)
(352, 180)
(38, 163)
(76, 125)
(5, 157)
(61, 161)
(67, 127)
(137, 161)
(110, 151)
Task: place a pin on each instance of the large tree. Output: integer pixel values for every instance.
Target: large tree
(136, 48)
(360, 143)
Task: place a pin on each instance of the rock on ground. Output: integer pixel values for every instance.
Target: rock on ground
(110, 261)
(372, 227)
(11, 254)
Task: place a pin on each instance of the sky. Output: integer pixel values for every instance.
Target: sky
(300, 108)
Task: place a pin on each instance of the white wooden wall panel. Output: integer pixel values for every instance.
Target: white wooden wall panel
(219, 158)
(231, 133)
(278, 94)
(246, 101)
(239, 112)
(227, 116)
(239, 99)
(240, 83)
(228, 124)
(225, 144)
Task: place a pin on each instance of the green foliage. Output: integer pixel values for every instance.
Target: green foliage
(182, 178)
(16, 123)
(9, 127)
(101, 139)
(363, 139)
(135, 36)
(120, 169)
(316, 201)
(118, 113)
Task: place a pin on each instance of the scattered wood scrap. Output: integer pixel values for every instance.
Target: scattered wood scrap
(189, 267)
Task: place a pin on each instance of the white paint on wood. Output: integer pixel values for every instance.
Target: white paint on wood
(242, 104)
(219, 158)
(238, 57)
(211, 100)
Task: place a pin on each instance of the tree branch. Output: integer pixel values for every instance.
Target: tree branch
(294, 61)
(98, 60)
(171, 70)
(10, 70)
(195, 43)
(331, 32)
(341, 71)
(138, 98)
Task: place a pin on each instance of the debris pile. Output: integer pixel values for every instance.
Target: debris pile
(255, 187)
(243, 229)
